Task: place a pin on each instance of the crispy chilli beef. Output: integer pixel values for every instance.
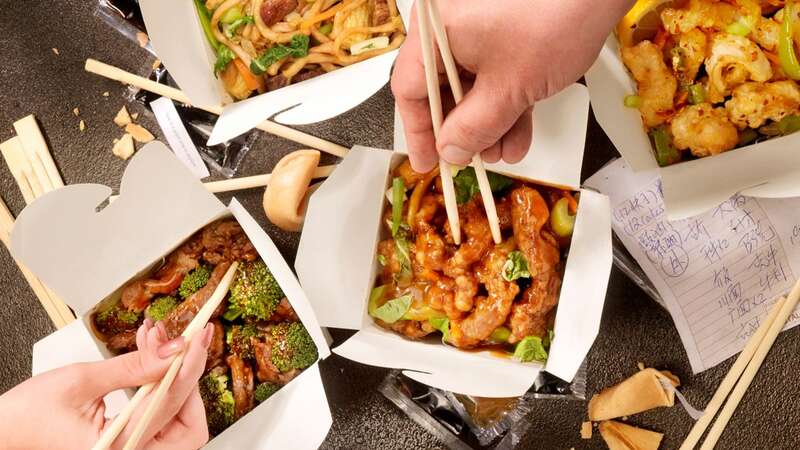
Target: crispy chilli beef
(478, 294)
(258, 344)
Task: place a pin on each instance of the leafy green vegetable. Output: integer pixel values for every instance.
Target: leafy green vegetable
(443, 325)
(232, 15)
(292, 347)
(382, 260)
(230, 30)
(238, 339)
(297, 48)
(515, 267)
(160, 307)
(205, 22)
(398, 196)
(466, 184)
(406, 273)
(218, 402)
(375, 297)
(255, 293)
(224, 57)
(393, 310)
(194, 280)
(533, 348)
(264, 391)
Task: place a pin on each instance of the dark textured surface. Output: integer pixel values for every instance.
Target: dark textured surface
(34, 80)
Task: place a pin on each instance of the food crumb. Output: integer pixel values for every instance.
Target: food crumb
(124, 148)
(76, 111)
(156, 64)
(106, 94)
(122, 118)
(135, 116)
(143, 39)
(139, 133)
(82, 126)
(55, 50)
(640, 365)
(586, 430)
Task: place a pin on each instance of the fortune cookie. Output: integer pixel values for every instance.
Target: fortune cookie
(641, 392)
(620, 436)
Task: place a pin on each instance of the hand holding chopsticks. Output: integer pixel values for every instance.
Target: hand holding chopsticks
(197, 324)
(431, 23)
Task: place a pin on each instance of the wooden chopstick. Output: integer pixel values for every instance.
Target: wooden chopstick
(458, 95)
(36, 147)
(115, 73)
(18, 165)
(437, 116)
(195, 326)
(730, 379)
(752, 368)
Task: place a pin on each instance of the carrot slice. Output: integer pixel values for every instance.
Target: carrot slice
(306, 25)
(253, 82)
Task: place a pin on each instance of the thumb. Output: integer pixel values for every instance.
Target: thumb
(480, 120)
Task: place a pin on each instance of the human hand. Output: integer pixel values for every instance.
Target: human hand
(64, 408)
(512, 53)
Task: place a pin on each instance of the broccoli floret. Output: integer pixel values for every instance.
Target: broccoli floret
(292, 347)
(265, 390)
(218, 402)
(114, 319)
(160, 307)
(238, 339)
(194, 280)
(254, 293)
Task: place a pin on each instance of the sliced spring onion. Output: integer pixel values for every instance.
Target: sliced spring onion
(369, 44)
(786, 50)
(398, 194)
(666, 153)
(633, 101)
(232, 15)
(789, 124)
(739, 28)
(697, 94)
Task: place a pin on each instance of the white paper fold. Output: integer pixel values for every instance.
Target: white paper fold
(768, 169)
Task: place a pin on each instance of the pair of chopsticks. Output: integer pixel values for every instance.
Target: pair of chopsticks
(430, 23)
(195, 326)
(36, 174)
(742, 373)
(283, 131)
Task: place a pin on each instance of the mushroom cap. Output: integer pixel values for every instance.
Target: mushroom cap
(285, 198)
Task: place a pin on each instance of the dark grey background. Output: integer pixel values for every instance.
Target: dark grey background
(34, 80)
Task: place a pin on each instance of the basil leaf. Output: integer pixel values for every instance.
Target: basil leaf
(531, 349)
(297, 48)
(466, 184)
(393, 310)
(404, 258)
(515, 267)
(374, 297)
(443, 325)
(398, 196)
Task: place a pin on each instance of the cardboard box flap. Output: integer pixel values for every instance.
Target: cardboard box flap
(768, 169)
(84, 254)
(609, 82)
(283, 274)
(338, 240)
(313, 100)
(472, 373)
(559, 139)
(583, 292)
(177, 38)
(73, 344)
(295, 417)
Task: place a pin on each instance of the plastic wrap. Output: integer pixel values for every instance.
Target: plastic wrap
(465, 422)
(125, 17)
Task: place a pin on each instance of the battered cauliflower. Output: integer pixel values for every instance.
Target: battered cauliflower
(689, 54)
(735, 59)
(708, 14)
(704, 130)
(753, 104)
(657, 84)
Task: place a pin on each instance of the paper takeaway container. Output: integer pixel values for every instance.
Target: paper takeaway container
(177, 37)
(86, 256)
(337, 266)
(768, 169)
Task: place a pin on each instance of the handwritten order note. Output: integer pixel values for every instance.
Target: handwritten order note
(718, 272)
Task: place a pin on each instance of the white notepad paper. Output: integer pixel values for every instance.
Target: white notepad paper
(718, 272)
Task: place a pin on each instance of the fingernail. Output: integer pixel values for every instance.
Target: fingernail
(162, 331)
(456, 155)
(172, 347)
(209, 333)
(148, 323)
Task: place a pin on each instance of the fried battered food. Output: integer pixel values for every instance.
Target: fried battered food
(689, 54)
(490, 311)
(708, 14)
(657, 84)
(766, 34)
(704, 130)
(479, 239)
(753, 104)
(733, 60)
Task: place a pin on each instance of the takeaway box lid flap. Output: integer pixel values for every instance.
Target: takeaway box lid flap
(84, 254)
(191, 60)
(768, 169)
